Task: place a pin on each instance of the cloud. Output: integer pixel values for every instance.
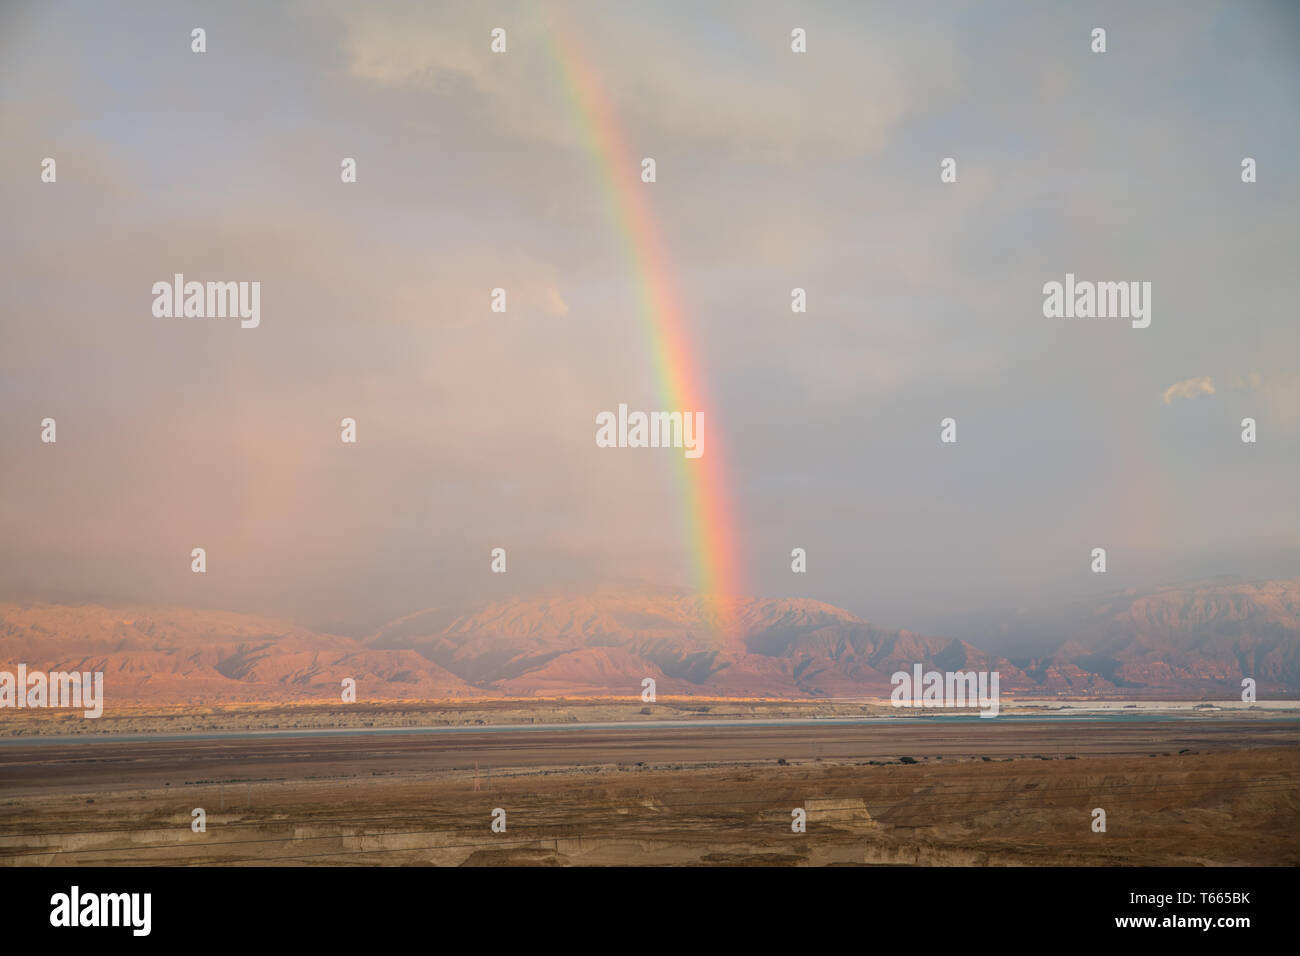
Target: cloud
(1189, 388)
(777, 170)
(666, 77)
(1279, 391)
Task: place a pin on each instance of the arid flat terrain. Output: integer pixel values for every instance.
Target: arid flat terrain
(396, 715)
(1182, 791)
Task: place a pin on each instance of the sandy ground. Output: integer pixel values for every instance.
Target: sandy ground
(1191, 791)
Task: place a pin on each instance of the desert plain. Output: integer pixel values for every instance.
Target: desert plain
(675, 783)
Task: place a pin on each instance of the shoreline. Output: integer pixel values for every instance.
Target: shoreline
(395, 717)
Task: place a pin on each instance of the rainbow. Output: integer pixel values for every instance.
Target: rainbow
(702, 482)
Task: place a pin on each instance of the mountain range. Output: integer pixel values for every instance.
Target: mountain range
(1186, 641)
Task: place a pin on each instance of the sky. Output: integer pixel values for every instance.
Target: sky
(775, 170)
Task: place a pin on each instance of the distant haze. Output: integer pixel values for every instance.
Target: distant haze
(1176, 643)
(775, 171)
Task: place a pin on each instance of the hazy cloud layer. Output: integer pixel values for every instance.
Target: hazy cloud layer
(476, 429)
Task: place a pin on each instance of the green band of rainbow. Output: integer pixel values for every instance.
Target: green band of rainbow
(702, 482)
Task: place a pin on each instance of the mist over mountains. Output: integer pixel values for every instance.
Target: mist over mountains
(1195, 640)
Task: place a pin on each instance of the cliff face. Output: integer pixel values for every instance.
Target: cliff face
(1179, 641)
(1191, 640)
(1195, 637)
(161, 655)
